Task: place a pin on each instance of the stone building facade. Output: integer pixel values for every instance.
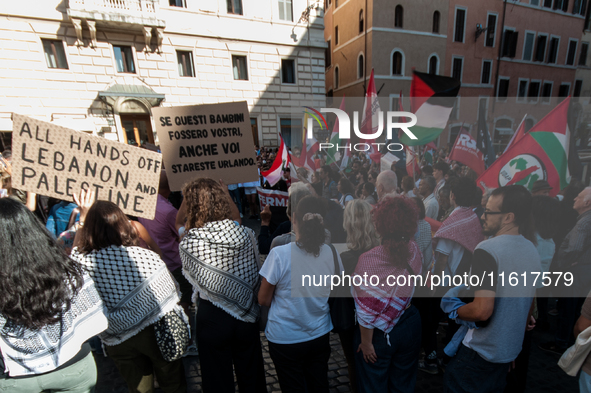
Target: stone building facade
(101, 65)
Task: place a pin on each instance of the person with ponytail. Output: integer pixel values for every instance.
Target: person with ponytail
(299, 321)
(389, 337)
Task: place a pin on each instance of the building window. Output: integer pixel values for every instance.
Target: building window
(360, 21)
(433, 65)
(177, 3)
(540, 47)
(534, 2)
(546, 91)
(124, 59)
(528, 46)
(285, 10)
(491, 25)
(533, 92)
(509, 43)
(398, 16)
(328, 55)
(336, 35)
(436, 18)
(547, 3)
(578, 87)
(561, 5)
(563, 90)
(397, 63)
(291, 131)
(583, 55)
(572, 50)
(460, 25)
(456, 68)
(185, 60)
(486, 70)
(239, 67)
(553, 50)
(360, 67)
(288, 71)
(55, 56)
(336, 78)
(503, 90)
(234, 6)
(579, 7)
(522, 90)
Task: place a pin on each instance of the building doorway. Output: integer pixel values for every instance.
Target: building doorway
(255, 131)
(137, 129)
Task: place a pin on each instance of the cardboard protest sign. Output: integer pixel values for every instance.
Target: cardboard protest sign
(387, 160)
(57, 162)
(272, 198)
(206, 141)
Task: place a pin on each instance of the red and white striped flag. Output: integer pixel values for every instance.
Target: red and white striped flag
(274, 174)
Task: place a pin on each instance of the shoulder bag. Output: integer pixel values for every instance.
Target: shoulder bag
(172, 336)
(574, 357)
(342, 305)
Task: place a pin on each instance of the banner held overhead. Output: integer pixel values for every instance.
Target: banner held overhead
(211, 140)
(57, 162)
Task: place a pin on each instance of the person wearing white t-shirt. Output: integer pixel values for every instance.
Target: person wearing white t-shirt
(299, 321)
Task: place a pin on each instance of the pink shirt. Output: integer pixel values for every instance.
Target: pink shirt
(162, 229)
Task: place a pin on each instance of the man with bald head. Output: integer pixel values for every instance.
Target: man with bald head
(386, 183)
(163, 231)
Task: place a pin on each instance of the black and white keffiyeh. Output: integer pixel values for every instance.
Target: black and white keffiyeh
(220, 261)
(135, 286)
(36, 351)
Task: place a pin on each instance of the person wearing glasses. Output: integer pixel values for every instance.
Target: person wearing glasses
(486, 353)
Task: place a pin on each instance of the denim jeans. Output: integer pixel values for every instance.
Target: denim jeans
(469, 372)
(397, 364)
(80, 377)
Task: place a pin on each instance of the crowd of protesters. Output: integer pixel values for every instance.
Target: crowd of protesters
(76, 269)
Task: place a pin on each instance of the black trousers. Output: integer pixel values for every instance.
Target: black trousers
(224, 341)
(302, 367)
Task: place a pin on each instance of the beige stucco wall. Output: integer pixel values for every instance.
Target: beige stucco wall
(29, 87)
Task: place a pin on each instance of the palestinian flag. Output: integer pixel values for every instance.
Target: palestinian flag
(432, 99)
(540, 154)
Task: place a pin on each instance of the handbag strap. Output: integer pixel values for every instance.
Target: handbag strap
(335, 259)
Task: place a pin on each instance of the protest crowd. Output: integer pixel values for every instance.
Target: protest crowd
(83, 277)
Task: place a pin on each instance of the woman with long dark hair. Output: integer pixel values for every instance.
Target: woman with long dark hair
(299, 321)
(138, 291)
(48, 309)
(220, 260)
(389, 338)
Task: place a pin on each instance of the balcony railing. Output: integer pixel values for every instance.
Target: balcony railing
(141, 12)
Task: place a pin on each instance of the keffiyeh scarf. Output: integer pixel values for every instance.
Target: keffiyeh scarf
(220, 261)
(36, 351)
(381, 306)
(463, 227)
(135, 286)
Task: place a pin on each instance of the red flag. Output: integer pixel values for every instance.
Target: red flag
(371, 112)
(412, 164)
(541, 154)
(519, 133)
(466, 152)
(273, 175)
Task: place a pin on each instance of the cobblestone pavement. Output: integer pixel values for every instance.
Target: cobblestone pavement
(544, 375)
